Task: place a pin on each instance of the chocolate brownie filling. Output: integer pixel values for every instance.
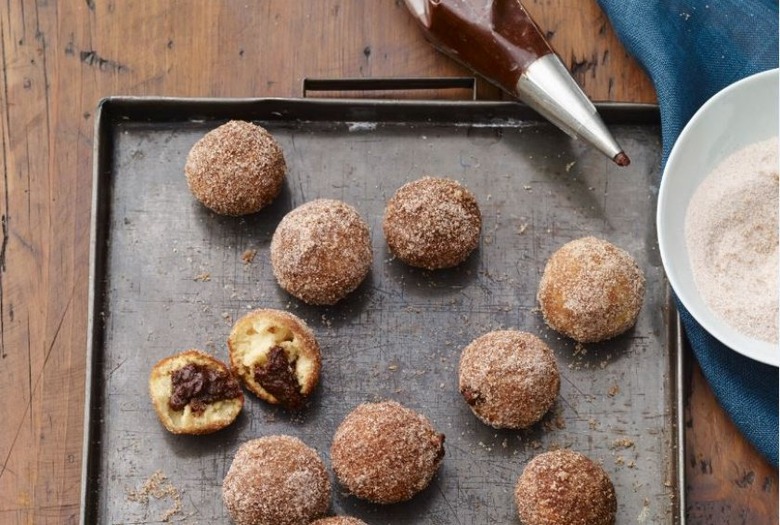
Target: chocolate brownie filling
(277, 376)
(198, 385)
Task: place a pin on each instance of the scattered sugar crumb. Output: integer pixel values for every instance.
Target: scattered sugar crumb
(555, 422)
(160, 488)
(644, 514)
(623, 443)
(202, 277)
(248, 256)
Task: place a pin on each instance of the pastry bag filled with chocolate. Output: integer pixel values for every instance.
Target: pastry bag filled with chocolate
(498, 40)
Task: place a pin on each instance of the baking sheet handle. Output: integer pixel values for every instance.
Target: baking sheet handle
(389, 84)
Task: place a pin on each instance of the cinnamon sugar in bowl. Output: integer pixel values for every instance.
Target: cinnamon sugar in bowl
(741, 115)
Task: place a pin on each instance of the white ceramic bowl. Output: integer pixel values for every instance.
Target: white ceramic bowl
(743, 113)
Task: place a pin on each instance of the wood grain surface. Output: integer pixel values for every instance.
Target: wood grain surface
(60, 58)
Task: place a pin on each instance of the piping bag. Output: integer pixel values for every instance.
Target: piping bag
(499, 40)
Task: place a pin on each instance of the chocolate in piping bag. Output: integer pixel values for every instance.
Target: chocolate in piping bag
(500, 41)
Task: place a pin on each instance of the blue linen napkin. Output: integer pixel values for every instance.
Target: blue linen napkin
(692, 49)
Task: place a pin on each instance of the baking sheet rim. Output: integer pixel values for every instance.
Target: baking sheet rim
(110, 108)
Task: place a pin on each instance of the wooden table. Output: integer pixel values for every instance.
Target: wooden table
(60, 58)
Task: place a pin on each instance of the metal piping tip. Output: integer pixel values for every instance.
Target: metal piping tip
(548, 87)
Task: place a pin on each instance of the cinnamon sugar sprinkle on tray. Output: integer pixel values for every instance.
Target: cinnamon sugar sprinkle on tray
(159, 487)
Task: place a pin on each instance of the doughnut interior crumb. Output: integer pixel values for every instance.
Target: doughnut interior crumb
(194, 417)
(267, 338)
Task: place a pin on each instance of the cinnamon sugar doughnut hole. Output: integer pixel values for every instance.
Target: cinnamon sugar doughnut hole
(339, 520)
(236, 169)
(385, 453)
(563, 486)
(591, 290)
(321, 251)
(276, 480)
(432, 223)
(509, 378)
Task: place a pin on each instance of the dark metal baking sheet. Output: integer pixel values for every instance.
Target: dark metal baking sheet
(168, 275)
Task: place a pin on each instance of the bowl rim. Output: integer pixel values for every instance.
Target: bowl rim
(758, 350)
